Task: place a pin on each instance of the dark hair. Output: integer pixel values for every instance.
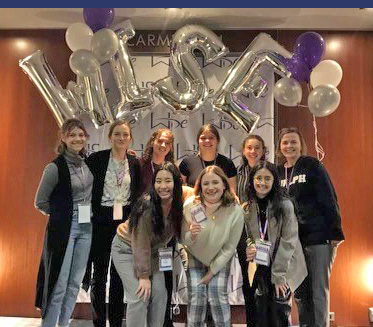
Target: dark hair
(255, 137)
(148, 152)
(288, 130)
(119, 122)
(227, 197)
(67, 126)
(276, 196)
(150, 203)
(208, 127)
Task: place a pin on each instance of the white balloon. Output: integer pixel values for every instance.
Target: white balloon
(105, 44)
(78, 36)
(288, 92)
(326, 72)
(323, 100)
(83, 63)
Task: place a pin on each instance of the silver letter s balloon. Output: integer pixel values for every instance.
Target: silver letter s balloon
(59, 101)
(192, 92)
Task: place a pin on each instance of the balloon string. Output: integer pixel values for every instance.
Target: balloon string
(318, 147)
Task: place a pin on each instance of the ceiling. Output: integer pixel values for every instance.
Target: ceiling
(214, 18)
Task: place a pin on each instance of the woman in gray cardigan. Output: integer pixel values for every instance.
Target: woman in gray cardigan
(273, 245)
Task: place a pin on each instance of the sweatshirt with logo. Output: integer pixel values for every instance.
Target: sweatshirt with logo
(315, 201)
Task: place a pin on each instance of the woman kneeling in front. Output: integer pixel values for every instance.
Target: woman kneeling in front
(212, 227)
(139, 249)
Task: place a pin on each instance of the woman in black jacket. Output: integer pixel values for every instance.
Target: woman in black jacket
(116, 187)
(320, 230)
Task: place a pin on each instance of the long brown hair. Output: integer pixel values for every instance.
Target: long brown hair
(148, 152)
(67, 126)
(253, 137)
(227, 198)
(288, 130)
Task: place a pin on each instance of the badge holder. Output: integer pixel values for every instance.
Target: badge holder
(198, 213)
(84, 213)
(262, 252)
(165, 259)
(117, 210)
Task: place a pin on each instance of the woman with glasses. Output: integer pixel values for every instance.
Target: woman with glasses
(274, 245)
(208, 139)
(320, 230)
(116, 187)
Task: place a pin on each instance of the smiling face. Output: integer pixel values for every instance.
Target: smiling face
(253, 151)
(120, 138)
(162, 144)
(75, 139)
(212, 187)
(263, 182)
(290, 146)
(208, 141)
(164, 185)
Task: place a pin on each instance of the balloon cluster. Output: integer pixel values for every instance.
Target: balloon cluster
(94, 44)
(306, 66)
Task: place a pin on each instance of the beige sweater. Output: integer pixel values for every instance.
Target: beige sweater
(216, 244)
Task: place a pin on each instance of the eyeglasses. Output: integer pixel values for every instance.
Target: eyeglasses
(266, 179)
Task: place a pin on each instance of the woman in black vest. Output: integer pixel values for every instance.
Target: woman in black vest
(64, 194)
(116, 187)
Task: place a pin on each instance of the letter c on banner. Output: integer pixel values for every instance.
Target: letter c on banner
(191, 93)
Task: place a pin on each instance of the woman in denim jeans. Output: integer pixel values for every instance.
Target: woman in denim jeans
(64, 194)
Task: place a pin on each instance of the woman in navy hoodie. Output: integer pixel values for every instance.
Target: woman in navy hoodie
(320, 230)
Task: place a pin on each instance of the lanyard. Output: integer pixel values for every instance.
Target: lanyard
(203, 161)
(262, 231)
(286, 177)
(152, 165)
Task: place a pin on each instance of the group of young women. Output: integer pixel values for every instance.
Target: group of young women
(114, 207)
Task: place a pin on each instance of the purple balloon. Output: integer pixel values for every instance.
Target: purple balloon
(310, 47)
(97, 18)
(298, 68)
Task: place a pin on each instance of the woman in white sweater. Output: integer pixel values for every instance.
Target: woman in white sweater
(212, 227)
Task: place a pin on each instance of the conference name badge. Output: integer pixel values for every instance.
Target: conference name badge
(117, 210)
(84, 213)
(165, 259)
(198, 213)
(262, 252)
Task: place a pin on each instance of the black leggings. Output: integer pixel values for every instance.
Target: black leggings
(269, 311)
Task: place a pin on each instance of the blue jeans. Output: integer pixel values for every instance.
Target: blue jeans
(65, 292)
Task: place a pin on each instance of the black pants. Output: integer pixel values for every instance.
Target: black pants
(102, 238)
(269, 311)
(248, 292)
